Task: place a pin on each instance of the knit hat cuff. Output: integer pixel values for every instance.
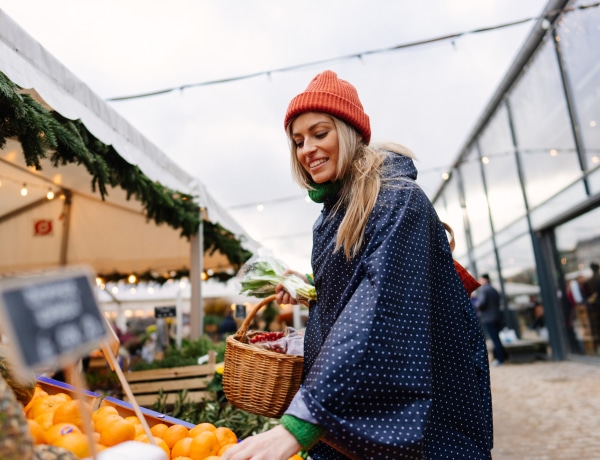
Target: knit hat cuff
(320, 101)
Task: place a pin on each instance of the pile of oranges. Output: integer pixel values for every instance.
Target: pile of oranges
(60, 420)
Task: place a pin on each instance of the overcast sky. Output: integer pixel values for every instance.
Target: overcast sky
(230, 135)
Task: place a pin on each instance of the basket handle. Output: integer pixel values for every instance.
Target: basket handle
(451, 239)
(241, 333)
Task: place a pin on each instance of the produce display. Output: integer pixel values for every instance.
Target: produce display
(52, 426)
(58, 420)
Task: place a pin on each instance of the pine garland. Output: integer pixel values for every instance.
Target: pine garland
(47, 134)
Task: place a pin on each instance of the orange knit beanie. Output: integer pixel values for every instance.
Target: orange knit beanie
(329, 94)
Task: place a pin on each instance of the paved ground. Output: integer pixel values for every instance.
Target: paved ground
(546, 411)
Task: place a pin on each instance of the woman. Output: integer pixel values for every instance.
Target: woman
(395, 360)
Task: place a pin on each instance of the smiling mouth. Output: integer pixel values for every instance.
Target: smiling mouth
(314, 164)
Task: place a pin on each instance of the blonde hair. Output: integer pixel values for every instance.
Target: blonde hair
(361, 168)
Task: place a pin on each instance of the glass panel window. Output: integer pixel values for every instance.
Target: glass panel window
(558, 204)
(578, 246)
(578, 38)
(475, 201)
(487, 264)
(500, 169)
(449, 208)
(513, 232)
(521, 287)
(543, 128)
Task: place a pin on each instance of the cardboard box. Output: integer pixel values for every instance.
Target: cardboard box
(125, 410)
(52, 387)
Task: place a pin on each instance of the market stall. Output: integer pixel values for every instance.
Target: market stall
(79, 185)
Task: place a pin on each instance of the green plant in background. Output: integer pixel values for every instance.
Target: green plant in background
(218, 412)
(187, 355)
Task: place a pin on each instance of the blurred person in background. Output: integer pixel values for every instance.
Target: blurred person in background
(488, 308)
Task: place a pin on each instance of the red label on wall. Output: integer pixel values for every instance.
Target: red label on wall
(42, 227)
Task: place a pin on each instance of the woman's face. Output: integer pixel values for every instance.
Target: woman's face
(317, 147)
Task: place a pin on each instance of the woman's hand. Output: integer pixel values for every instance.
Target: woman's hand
(284, 297)
(275, 444)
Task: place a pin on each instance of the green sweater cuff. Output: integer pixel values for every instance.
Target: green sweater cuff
(306, 433)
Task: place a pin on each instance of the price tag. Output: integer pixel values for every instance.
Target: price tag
(164, 312)
(51, 318)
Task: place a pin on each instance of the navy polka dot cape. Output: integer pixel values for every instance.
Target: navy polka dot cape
(395, 360)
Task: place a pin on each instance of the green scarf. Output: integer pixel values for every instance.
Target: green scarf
(325, 190)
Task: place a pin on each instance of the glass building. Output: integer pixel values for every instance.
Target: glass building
(523, 195)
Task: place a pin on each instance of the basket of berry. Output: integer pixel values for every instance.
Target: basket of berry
(261, 376)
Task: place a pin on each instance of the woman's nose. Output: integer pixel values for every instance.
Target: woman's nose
(309, 146)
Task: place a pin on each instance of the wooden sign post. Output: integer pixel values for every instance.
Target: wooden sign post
(52, 320)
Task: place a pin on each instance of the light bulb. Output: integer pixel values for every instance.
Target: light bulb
(24, 190)
(50, 194)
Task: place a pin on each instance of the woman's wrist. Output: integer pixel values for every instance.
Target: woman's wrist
(307, 434)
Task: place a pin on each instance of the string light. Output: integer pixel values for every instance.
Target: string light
(132, 279)
(545, 24)
(50, 194)
(24, 190)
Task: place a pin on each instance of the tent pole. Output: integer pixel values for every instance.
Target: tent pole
(66, 216)
(196, 264)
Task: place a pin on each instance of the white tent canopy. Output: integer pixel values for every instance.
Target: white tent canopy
(77, 226)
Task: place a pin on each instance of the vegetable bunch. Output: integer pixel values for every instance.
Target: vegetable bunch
(260, 276)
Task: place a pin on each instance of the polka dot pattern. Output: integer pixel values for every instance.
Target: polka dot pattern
(395, 360)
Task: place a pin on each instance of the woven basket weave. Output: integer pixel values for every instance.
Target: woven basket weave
(259, 381)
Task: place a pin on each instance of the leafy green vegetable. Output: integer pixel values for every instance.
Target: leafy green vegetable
(261, 275)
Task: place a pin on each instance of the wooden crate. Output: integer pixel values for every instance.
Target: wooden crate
(146, 385)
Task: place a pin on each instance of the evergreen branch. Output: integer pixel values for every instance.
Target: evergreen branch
(42, 133)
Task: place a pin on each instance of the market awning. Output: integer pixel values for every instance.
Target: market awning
(141, 226)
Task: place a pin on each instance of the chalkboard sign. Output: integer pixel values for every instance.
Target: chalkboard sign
(52, 318)
(240, 311)
(164, 312)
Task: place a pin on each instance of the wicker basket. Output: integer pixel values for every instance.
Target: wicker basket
(261, 382)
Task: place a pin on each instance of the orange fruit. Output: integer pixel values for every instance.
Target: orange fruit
(117, 432)
(224, 448)
(107, 420)
(104, 410)
(181, 448)
(159, 429)
(159, 442)
(37, 432)
(45, 420)
(59, 430)
(204, 445)
(182, 458)
(202, 427)
(295, 457)
(174, 433)
(225, 436)
(43, 405)
(63, 396)
(73, 412)
(76, 443)
(133, 419)
(212, 457)
(139, 429)
(37, 393)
